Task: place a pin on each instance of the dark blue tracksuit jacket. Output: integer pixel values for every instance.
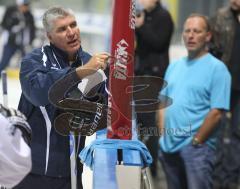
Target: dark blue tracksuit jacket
(39, 70)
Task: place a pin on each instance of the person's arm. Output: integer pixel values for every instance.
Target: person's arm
(15, 154)
(36, 79)
(6, 21)
(219, 102)
(163, 92)
(209, 125)
(97, 61)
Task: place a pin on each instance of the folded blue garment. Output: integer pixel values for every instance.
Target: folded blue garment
(86, 155)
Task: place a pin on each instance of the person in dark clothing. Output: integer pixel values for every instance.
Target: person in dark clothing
(40, 69)
(226, 42)
(18, 31)
(154, 29)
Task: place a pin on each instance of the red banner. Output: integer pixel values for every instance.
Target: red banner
(121, 70)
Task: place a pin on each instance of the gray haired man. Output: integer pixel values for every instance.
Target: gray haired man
(40, 69)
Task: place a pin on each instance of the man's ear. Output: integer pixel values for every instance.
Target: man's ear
(49, 36)
(209, 36)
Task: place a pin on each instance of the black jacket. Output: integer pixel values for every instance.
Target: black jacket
(18, 25)
(226, 40)
(153, 40)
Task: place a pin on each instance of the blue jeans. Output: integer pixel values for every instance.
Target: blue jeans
(190, 168)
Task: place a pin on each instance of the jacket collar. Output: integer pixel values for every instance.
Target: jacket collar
(63, 56)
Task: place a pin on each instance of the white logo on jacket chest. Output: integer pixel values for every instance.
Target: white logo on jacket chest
(54, 66)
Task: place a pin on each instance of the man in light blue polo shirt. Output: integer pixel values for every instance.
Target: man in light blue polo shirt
(199, 86)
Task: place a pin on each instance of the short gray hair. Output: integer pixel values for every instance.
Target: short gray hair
(54, 13)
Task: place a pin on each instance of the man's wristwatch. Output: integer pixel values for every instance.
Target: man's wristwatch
(195, 141)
